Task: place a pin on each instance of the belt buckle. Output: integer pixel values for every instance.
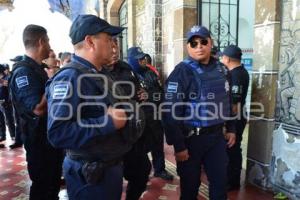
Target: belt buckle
(198, 129)
(194, 131)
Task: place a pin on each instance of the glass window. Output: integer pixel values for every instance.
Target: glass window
(221, 18)
(123, 19)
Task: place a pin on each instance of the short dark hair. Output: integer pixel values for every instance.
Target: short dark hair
(32, 34)
(64, 55)
(148, 59)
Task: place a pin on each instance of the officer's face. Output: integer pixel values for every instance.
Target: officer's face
(44, 47)
(102, 46)
(115, 56)
(200, 49)
(143, 62)
(225, 60)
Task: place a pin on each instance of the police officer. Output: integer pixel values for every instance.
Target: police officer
(136, 162)
(6, 105)
(153, 132)
(231, 58)
(27, 86)
(81, 118)
(195, 110)
(18, 135)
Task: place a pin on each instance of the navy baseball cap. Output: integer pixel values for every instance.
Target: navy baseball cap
(135, 52)
(199, 31)
(233, 51)
(85, 25)
(17, 59)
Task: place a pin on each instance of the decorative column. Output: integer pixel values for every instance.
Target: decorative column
(177, 18)
(264, 89)
(286, 136)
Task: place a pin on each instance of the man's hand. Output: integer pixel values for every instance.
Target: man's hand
(182, 156)
(231, 139)
(41, 108)
(5, 83)
(119, 117)
(142, 94)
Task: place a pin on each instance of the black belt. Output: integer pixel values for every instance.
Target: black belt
(203, 130)
(87, 158)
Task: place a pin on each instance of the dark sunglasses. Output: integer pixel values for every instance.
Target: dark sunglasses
(194, 44)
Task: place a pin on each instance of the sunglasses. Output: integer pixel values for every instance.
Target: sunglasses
(194, 44)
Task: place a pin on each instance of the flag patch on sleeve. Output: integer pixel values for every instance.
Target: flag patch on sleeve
(22, 81)
(172, 87)
(60, 91)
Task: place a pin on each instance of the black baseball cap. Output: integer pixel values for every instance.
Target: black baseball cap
(233, 51)
(85, 25)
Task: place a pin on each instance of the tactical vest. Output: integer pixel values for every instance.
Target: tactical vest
(211, 104)
(23, 112)
(113, 146)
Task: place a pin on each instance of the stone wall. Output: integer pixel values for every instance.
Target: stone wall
(264, 89)
(286, 136)
(177, 18)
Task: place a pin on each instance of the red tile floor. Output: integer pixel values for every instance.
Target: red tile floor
(14, 181)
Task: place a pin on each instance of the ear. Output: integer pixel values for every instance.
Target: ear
(41, 42)
(89, 40)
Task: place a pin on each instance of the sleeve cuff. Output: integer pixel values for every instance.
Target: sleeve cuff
(230, 126)
(179, 146)
(108, 127)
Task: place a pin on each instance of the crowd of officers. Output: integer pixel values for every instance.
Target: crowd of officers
(97, 117)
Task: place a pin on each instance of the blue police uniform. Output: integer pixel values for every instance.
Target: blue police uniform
(76, 122)
(6, 109)
(194, 91)
(136, 162)
(239, 87)
(27, 86)
(153, 129)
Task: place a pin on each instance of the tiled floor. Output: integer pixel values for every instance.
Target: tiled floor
(14, 181)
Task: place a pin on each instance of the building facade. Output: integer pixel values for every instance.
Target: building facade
(268, 33)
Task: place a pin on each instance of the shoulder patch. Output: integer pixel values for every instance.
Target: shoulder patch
(22, 81)
(60, 91)
(235, 89)
(172, 87)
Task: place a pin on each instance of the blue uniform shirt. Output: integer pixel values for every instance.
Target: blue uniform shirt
(180, 86)
(240, 83)
(74, 119)
(28, 84)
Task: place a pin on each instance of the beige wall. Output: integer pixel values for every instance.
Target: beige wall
(177, 17)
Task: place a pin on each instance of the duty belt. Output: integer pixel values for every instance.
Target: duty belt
(88, 158)
(202, 130)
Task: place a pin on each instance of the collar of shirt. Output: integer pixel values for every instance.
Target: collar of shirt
(31, 61)
(211, 64)
(83, 62)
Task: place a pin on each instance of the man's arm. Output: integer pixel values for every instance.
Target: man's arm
(175, 85)
(41, 108)
(65, 127)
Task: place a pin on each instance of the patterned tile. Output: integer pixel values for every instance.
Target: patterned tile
(3, 193)
(22, 196)
(170, 187)
(21, 184)
(15, 182)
